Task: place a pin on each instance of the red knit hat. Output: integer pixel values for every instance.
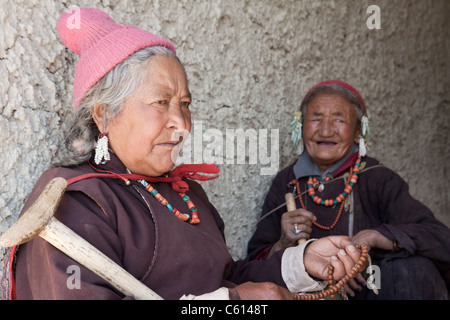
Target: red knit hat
(101, 44)
(342, 84)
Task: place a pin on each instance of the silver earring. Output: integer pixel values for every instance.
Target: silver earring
(364, 137)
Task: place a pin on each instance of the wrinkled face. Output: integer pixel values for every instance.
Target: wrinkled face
(142, 135)
(330, 129)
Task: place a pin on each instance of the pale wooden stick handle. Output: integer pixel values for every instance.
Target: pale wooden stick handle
(291, 206)
(87, 255)
(290, 201)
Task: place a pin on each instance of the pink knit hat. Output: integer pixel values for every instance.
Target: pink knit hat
(101, 44)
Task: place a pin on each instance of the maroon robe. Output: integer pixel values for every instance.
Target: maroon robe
(172, 257)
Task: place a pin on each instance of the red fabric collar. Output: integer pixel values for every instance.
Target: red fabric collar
(347, 164)
(175, 177)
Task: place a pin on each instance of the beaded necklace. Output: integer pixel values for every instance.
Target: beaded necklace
(192, 218)
(313, 183)
(334, 287)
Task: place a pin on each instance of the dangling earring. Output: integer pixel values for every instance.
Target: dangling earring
(101, 149)
(296, 132)
(362, 146)
(363, 139)
(365, 124)
(300, 147)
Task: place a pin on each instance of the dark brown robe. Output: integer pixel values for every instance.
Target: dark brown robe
(172, 257)
(381, 201)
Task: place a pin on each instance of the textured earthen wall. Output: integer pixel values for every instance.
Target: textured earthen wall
(249, 64)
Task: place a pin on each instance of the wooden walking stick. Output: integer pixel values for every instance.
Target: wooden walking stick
(38, 220)
(291, 206)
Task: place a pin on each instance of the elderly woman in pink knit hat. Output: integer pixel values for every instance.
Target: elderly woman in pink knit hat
(131, 96)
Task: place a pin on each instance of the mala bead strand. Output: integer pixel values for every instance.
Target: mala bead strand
(335, 287)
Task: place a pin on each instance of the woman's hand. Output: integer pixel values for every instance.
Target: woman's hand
(372, 239)
(259, 291)
(337, 250)
(291, 221)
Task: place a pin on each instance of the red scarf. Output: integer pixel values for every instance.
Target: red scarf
(175, 177)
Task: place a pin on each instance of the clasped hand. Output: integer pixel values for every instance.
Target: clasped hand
(337, 250)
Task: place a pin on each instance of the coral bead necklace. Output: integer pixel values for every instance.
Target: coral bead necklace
(340, 198)
(192, 218)
(312, 184)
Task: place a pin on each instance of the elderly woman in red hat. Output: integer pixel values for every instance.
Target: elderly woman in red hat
(131, 103)
(341, 191)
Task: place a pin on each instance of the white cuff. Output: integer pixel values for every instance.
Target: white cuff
(294, 273)
(220, 294)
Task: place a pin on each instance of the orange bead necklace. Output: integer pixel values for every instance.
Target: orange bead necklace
(312, 184)
(192, 217)
(340, 198)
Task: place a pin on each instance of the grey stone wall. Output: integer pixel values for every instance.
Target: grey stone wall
(249, 63)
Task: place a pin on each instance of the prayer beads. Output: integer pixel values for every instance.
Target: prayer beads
(332, 287)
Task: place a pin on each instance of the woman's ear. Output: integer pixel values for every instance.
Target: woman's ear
(99, 116)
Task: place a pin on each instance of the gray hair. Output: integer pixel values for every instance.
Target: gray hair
(333, 88)
(110, 91)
